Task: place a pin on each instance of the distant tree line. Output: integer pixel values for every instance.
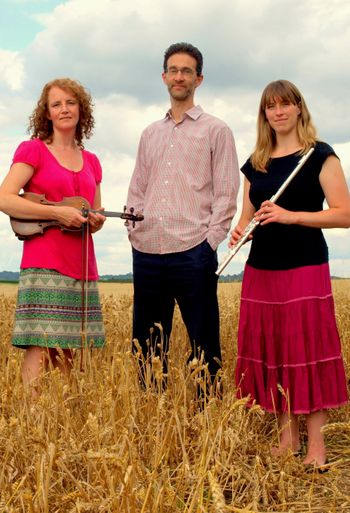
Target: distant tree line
(10, 276)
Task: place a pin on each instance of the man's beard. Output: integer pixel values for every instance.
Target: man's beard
(180, 94)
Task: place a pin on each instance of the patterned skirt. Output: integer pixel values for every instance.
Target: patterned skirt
(289, 353)
(51, 311)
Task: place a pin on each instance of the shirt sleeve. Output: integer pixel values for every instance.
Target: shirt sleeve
(28, 152)
(247, 170)
(139, 179)
(97, 170)
(225, 172)
(323, 151)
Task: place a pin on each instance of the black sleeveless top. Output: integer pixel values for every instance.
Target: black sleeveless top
(279, 246)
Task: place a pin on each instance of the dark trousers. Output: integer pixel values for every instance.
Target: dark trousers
(189, 278)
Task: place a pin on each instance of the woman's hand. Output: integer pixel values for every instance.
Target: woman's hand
(70, 217)
(271, 213)
(96, 220)
(236, 235)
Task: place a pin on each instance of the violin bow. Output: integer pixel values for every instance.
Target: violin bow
(127, 216)
(84, 292)
(28, 228)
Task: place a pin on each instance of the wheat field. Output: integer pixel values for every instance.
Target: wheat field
(98, 443)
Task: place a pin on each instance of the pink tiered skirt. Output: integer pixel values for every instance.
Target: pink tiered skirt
(289, 352)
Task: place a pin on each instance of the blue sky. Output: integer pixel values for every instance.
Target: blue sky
(18, 22)
(115, 48)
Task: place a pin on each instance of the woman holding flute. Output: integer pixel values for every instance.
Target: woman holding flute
(289, 354)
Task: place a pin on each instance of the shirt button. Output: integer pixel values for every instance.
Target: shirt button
(160, 219)
(166, 181)
(171, 146)
(163, 200)
(169, 163)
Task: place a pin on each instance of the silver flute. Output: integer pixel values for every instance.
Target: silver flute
(254, 222)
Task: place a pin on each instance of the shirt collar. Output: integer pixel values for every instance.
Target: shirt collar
(193, 112)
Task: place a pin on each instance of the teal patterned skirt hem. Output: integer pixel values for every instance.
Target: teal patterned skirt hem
(50, 309)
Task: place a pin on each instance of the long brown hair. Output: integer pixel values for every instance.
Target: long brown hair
(39, 124)
(282, 90)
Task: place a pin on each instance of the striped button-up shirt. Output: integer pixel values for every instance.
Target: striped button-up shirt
(185, 181)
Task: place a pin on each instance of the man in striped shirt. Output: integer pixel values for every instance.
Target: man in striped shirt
(185, 181)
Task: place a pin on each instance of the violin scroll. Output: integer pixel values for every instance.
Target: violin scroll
(131, 216)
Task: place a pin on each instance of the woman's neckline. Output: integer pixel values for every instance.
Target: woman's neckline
(59, 163)
(291, 154)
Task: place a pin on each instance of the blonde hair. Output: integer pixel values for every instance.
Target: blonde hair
(39, 124)
(282, 90)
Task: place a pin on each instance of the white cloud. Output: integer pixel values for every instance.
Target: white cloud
(125, 117)
(339, 267)
(9, 259)
(343, 152)
(115, 48)
(11, 70)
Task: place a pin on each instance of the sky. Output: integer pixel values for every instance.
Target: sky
(115, 49)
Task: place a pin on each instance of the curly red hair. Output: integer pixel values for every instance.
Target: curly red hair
(39, 124)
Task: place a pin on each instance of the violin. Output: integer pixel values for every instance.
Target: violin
(28, 228)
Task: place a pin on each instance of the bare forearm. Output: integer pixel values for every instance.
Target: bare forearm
(330, 218)
(21, 208)
(15, 206)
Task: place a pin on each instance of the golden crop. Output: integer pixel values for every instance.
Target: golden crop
(98, 443)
